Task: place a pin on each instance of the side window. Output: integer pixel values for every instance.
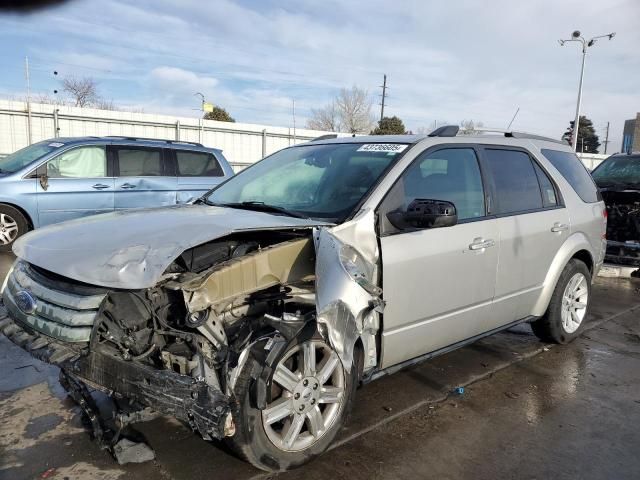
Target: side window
(549, 196)
(197, 164)
(82, 162)
(574, 172)
(139, 162)
(515, 179)
(450, 174)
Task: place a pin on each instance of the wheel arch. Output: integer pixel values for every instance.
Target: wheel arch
(576, 246)
(22, 210)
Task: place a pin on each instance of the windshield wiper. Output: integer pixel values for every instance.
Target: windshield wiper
(261, 207)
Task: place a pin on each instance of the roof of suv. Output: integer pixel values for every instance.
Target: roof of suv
(124, 140)
(494, 136)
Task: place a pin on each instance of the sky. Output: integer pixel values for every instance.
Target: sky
(445, 61)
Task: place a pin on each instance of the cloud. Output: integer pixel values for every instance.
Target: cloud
(444, 60)
(179, 81)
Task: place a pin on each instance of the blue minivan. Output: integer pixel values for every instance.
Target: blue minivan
(65, 178)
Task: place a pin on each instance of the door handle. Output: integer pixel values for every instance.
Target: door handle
(480, 243)
(559, 227)
(127, 186)
(100, 186)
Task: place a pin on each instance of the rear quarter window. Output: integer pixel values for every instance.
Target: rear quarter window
(575, 173)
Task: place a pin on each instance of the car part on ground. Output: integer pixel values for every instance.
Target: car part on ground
(623, 225)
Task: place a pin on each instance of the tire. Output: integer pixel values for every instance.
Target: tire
(573, 290)
(259, 443)
(13, 224)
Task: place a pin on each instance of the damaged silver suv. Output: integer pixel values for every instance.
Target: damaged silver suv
(255, 313)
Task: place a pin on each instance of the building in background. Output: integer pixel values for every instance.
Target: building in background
(631, 135)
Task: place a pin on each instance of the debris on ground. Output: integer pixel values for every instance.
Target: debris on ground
(127, 451)
(48, 473)
(458, 390)
(512, 395)
(387, 409)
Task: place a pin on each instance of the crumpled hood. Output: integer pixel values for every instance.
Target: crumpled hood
(132, 249)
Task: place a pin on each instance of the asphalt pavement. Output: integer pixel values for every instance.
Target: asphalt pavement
(529, 410)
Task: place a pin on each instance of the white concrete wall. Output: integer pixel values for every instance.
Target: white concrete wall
(592, 160)
(242, 143)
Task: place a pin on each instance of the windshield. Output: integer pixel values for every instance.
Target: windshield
(316, 181)
(22, 158)
(623, 170)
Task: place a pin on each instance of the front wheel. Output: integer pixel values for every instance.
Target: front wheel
(564, 319)
(311, 393)
(12, 225)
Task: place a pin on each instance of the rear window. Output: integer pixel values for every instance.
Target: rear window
(574, 172)
(197, 164)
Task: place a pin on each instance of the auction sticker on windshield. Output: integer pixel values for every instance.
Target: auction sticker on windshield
(383, 147)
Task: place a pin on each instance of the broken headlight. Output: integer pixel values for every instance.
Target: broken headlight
(359, 269)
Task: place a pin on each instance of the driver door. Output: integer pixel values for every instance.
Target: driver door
(438, 283)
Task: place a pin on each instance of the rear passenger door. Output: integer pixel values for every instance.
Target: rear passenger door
(144, 178)
(532, 222)
(197, 173)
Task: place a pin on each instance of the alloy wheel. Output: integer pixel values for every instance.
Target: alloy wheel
(308, 392)
(574, 303)
(8, 229)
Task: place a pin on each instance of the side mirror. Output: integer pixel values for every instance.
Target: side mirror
(44, 182)
(424, 213)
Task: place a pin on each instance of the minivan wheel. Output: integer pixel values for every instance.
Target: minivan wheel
(12, 225)
(311, 395)
(564, 319)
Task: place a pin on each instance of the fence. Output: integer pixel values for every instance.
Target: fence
(242, 143)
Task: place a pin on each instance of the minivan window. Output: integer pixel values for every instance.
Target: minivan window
(575, 173)
(450, 174)
(139, 162)
(197, 164)
(319, 181)
(81, 162)
(515, 180)
(24, 156)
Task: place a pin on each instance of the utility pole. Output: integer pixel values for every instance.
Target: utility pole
(384, 95)
(293, 111)
(606, 141)
(28, 79)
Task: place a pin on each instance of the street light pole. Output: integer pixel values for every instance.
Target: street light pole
(577, 37)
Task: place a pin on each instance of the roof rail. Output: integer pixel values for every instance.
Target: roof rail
(512, 134)
(328, 136)
(145, 139)
(445, 131)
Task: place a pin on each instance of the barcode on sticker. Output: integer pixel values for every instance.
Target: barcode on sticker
(383, 147)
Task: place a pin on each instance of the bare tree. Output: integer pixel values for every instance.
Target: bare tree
(354, 108)
(349, 112)
(469, 127)
(325, 118)
(83, 91)
(104, 104)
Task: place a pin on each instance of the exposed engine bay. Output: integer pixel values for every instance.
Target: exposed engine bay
(229, 306)
(623, 226)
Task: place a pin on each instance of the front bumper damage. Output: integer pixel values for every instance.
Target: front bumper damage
(188, 399)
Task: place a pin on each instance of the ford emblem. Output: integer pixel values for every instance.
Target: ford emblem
(25, 302)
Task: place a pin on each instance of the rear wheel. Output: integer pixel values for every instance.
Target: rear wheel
(564, 319)
(311, 393)
(12, 225)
